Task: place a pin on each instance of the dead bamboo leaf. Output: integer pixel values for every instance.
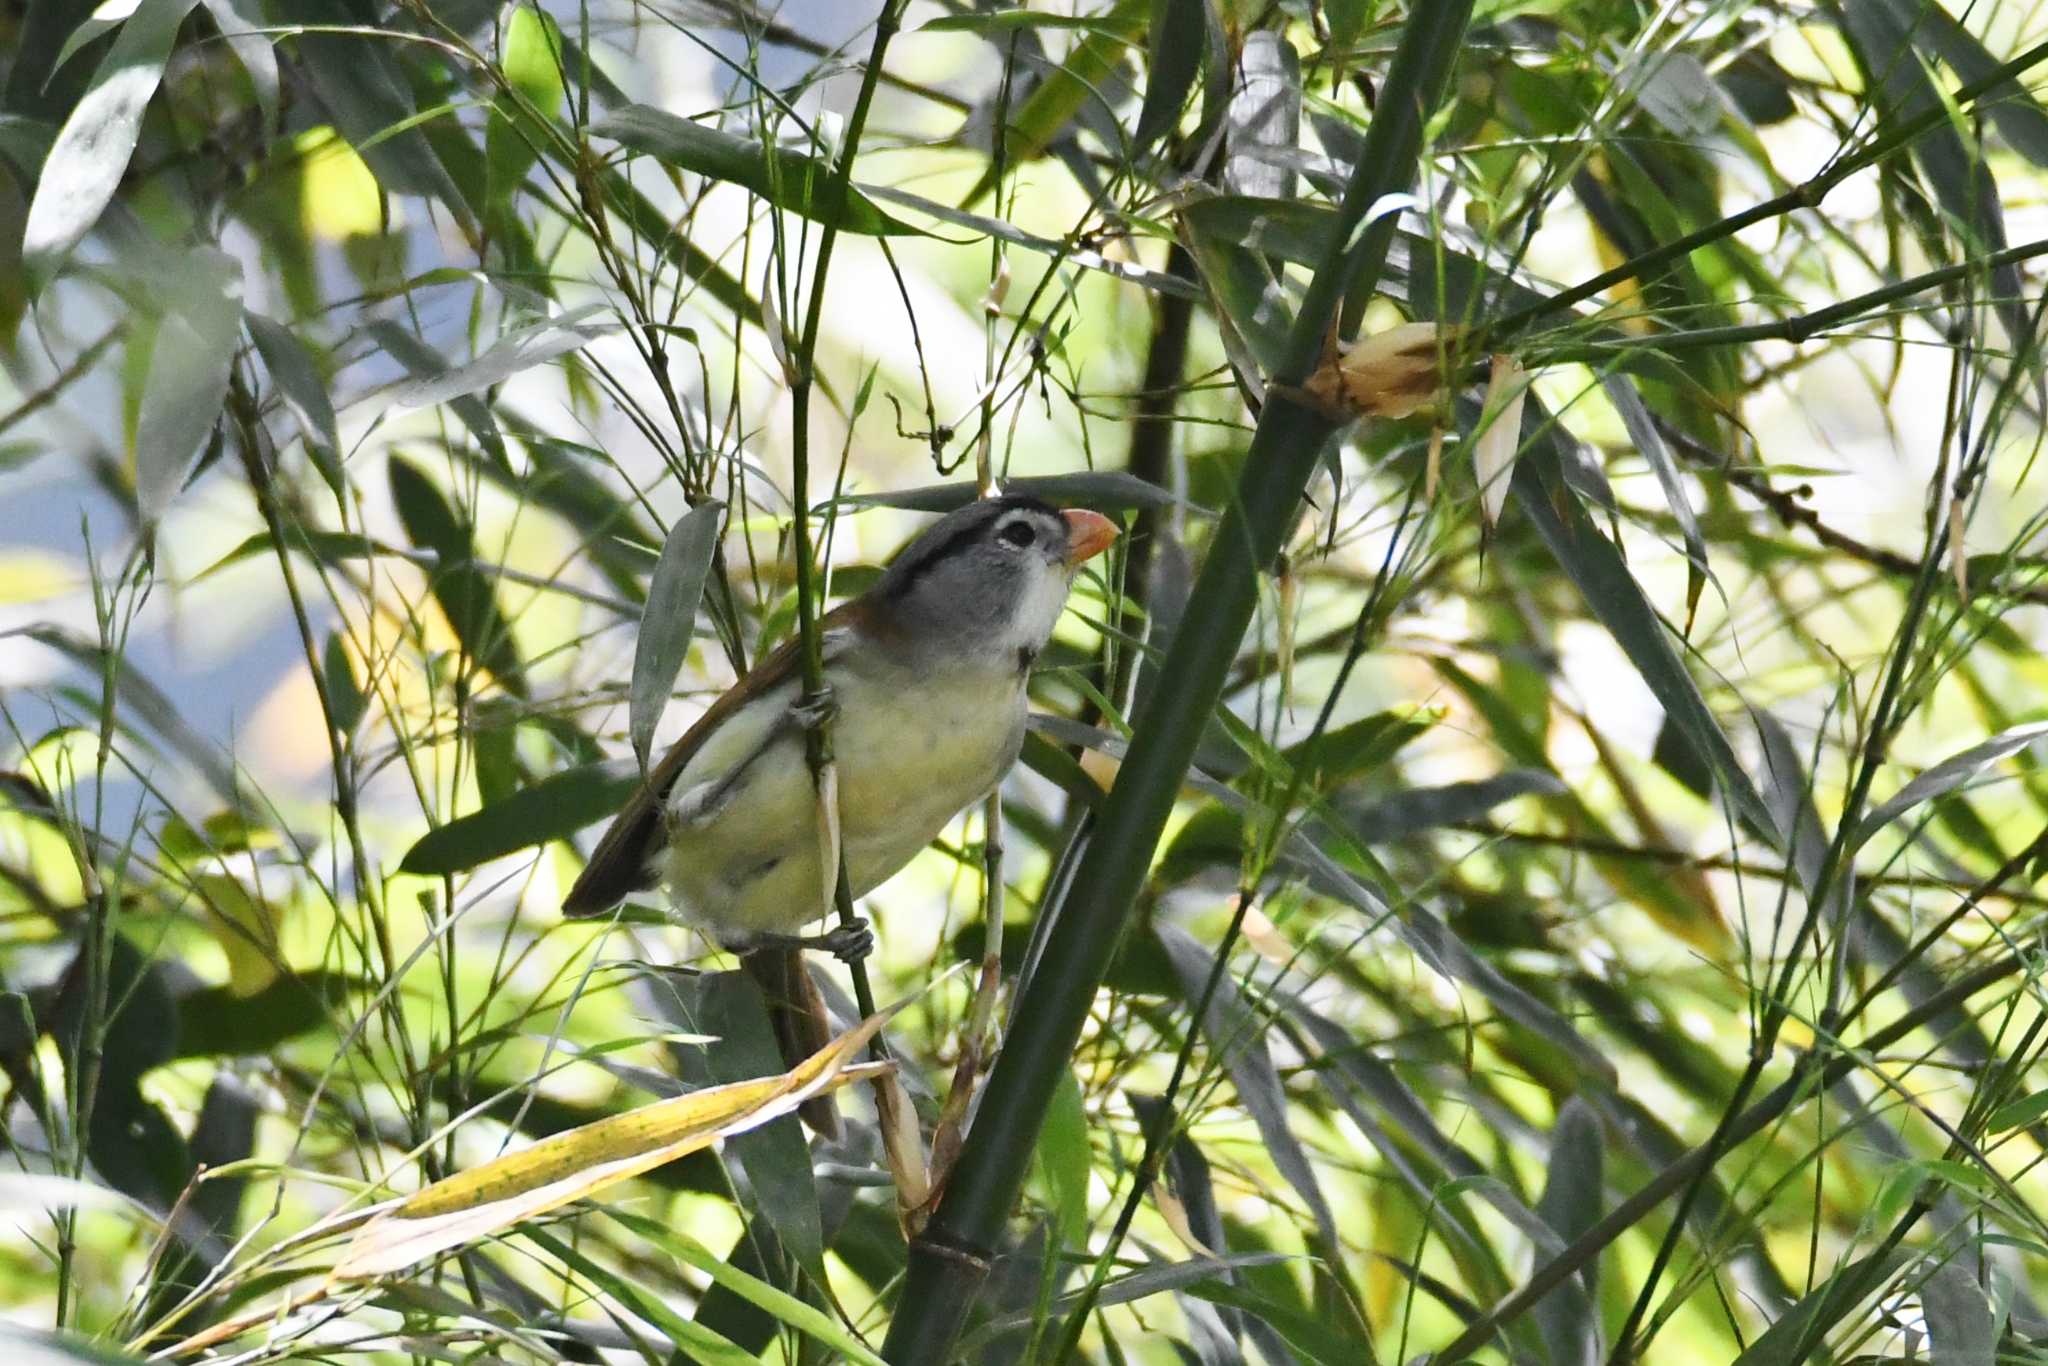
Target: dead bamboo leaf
(1500, 437)
(571, 1166)
(903, 1148)
(1388, 374)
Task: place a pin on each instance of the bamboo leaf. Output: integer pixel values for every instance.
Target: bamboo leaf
(1798, 1334)
(1948, 775)
(304, 393)
(1099, 490)
(1180, 30)
(189, 365)
(1038, 122)
(554, 808)
(1411, 811)
(459, 583)
(1960, 1323)
(785, 177)
(241, 22)
(517, 350)
(1237, 1037)
(1603, 579)
(669, 618)
(85, 163)
(788, 1308)
(529, 58)
(491, 1199)
(1649, 443)
(1573, 1198)
(1881, 35)
(1264, 117)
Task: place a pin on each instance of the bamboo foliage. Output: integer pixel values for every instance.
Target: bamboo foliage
(1527, 848)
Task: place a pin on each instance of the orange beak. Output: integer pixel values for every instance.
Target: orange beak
(1088, 534)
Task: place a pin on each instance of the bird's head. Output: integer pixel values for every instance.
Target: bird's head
(991, 577)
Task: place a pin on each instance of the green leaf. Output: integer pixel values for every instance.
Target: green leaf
(1180, 31)
(360, 82)
(554, 808)
(1960, 1325)
(345, 698)
(785, 177)
(1010, 20)
(189, 365)
(1263, 113)
(522, 348)
(1236, 1036)
(1881, 33)
(792, 1311)
(693, 1342)
(528, 57)
(2012, 109)
(669, 619)
(1100, 490)
(1065, 1160)
(1067, 251)
(300, 386)
(1321, 1343)
(218, 1022)
(729, 1007)
(1946, 776)
(459, 583)
(1358, 747)
(2019, 1113)
(84, 167)
(1797, 1335)
(424, 363)
(1595, 566)
(1034, 125)
(1572, 1200)
(241, 22)
(1649, 443)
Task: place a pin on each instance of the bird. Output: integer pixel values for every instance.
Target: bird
(925, 686)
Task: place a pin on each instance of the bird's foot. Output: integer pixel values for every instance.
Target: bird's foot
(815, 709)
(849, 942)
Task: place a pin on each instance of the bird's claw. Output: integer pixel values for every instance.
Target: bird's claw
(849, 942)
(815, 709)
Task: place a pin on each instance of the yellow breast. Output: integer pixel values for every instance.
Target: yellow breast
(913, 750)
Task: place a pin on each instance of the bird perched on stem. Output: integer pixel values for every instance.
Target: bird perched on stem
(925, 686)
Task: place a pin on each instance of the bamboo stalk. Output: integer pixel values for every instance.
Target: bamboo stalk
(950, 1259)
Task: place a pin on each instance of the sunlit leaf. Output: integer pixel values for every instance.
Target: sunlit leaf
(785, 177)
(1948, 775)
(554, 808)
(85, 163)
(669, 619)
(491, 1199)
(460, 584)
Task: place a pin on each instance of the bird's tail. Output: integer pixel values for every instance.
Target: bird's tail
(797, 1013)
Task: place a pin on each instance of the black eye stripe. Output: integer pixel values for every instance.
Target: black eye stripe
(950, 535)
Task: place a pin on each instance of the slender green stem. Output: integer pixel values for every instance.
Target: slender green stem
(819, 741)
(1810, 1077)
(1807, 195)
(950, 1258)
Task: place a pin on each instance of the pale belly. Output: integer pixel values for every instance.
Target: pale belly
(910, 757)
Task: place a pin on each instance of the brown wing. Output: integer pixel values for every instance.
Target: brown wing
(623, 861)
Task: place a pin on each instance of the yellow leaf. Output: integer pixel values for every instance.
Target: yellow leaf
(570, 1166)
(338, 195)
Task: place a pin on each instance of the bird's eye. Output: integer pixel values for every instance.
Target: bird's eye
(1019, 534)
